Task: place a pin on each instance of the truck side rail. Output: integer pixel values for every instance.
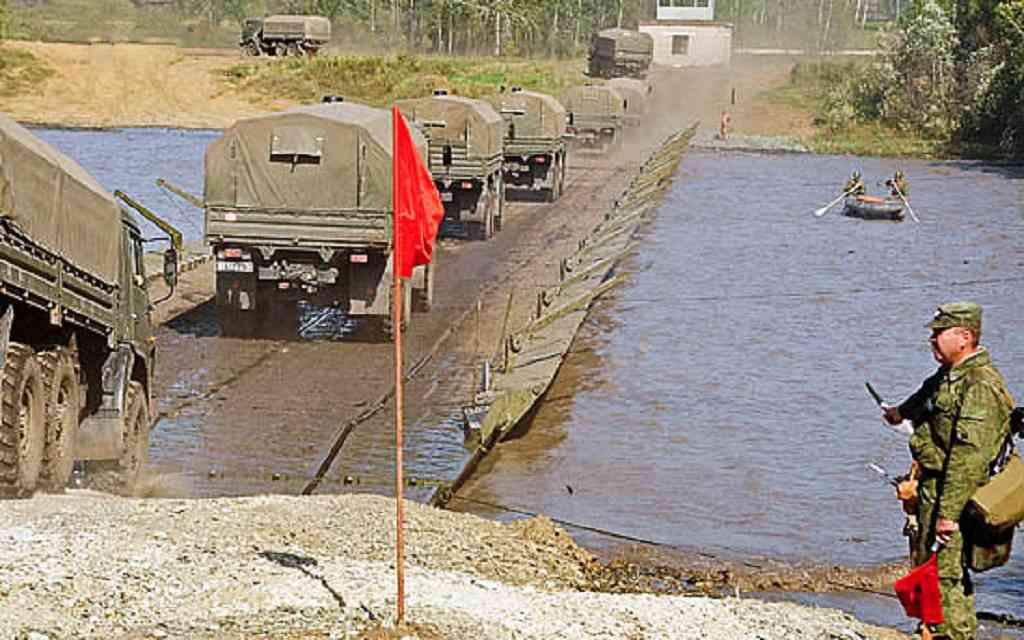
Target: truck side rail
(45, 280)
(316, 228)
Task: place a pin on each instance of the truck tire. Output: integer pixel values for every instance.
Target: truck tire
(388, 325)
(498, 218)
(121, 476)
(62, 395)
(22, 423)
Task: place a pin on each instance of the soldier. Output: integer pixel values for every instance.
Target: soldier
(961, 417)
(898, 184)
(723, 125)
(855, 185)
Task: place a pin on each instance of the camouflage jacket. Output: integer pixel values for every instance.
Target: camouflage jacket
(972, 395)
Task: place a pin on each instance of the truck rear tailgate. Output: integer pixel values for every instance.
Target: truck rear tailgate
(313, 229)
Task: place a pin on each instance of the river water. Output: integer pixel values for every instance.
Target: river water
(716, 401)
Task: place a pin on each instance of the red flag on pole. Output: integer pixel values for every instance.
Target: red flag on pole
(418, 208)
(919, 592)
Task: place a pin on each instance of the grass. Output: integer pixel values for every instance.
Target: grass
(20, 72)
(113, 21)
(380, 80)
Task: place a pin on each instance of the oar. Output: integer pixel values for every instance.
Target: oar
(905, 203)
(820, 212)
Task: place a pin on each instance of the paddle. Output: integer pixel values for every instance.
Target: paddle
(905, 203)
(822, 211)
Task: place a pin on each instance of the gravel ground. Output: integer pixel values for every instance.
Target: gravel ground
(85, 565)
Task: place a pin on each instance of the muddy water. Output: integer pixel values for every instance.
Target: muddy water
(132, 159)
(717, 401)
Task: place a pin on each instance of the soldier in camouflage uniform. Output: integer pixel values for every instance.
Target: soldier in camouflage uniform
(964, 405)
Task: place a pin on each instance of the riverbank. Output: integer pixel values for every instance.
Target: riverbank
(321, 566)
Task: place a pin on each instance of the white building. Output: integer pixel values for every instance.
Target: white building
(686, 34)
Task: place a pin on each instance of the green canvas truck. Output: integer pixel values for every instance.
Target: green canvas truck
(284, 35)
(465, 156)
(535, 150)
(77, 353)
(620, 53)
(637, 96)
(298, 207)
(596, 116)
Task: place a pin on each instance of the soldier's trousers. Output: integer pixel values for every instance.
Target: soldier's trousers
(961, 622)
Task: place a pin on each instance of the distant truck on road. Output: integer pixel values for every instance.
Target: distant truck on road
(620, 53)
(596, 116)
(636, 94)
(77, 353)
(285, 35)
(298, 207)
(465, 159)
(535, 153)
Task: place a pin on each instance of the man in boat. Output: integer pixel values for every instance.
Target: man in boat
(961, 418)
(855, 185)
(898, 184)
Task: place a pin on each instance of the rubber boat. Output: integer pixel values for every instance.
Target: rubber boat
(874, 208)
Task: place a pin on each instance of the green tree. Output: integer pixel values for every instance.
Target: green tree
(3, 19)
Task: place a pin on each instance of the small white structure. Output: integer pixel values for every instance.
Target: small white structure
(686, 34)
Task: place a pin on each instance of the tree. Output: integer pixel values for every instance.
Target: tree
(3, 19)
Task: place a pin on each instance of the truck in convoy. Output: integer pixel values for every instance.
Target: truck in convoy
(77, 353)
(298, 206)
(465, 159)
(637, 94)
(596, 115)
(285, 35)
(620, 53)
(535, 154)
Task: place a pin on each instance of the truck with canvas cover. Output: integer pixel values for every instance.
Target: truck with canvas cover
(283, 35)
(596, 116)
(535, 155)
(298, 206)
(637, 96)
(620, 53)
(76, 343)
(465, 142)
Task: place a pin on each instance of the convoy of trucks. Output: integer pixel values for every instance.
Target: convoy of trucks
(298, 206)
(77, 353)
(534, 143)
(465, 149)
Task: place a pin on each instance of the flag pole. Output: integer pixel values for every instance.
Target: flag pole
(396, 324)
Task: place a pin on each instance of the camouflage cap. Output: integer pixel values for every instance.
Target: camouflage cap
(957, 314)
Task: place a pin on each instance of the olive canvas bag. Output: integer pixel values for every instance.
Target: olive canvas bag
(999, 503)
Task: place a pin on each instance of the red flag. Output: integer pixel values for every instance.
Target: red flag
(418, 208)
(919, 593)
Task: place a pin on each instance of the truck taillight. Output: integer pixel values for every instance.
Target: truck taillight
(232, 253)
(540, 159)
(467, 185)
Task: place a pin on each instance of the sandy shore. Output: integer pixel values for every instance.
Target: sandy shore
(86, 565)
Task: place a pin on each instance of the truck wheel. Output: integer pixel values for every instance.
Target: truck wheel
(120, 476)
(280, 50)
(22, 423)
(387, 325)
(501, 205)
(62, 395)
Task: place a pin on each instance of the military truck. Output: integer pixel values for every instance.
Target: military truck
(77, 353)
(465, 141)
(298, 207)
(535, 153)
(620, 53)
(285, 35)
(596, 116)
(636, 93)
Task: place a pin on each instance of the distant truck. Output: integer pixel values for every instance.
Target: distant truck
(535, 150)
(465, 159)
(298, 207)
(620, 53)
(77, 353)
(285, 35)
(596, 116)
(637, 94)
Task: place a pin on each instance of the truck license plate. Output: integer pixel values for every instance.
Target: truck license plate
(446, 196)
(234, 267)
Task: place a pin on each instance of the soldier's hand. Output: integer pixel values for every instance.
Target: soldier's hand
(945, 529)
(891, 414)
